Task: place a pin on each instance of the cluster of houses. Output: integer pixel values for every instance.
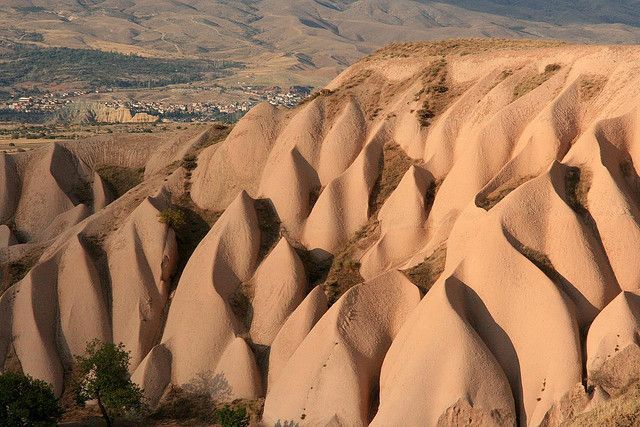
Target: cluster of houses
(52, 102)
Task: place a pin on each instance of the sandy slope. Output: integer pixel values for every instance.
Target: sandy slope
(445, 235)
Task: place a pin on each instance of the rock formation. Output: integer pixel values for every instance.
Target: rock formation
(444, 235)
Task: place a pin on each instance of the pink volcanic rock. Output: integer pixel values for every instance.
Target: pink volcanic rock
(280, 285)
(437, 360)
(289, 188)
(239, 159)
(83, 309)
(343, 143)
(6, 237)
(53, 184)
(201, 327)
(142, 256)
(613, 356)
(64, 221)
(295, 329)
(332, 374)
(534, 147)
(402, 224)
(330, 224)
(31, 324)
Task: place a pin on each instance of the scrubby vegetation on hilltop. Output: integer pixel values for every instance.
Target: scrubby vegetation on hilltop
(27, 64)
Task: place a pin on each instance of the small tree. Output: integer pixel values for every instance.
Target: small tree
(103, 374)
(25, 401)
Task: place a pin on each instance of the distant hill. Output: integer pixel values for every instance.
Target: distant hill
(306, 41)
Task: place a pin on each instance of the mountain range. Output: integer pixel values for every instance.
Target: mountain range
(306, 41)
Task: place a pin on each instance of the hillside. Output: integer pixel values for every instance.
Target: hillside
(445, 235)
(303, 42)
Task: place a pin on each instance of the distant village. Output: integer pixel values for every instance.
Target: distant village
(51, 103)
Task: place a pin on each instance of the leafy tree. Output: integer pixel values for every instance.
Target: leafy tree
(102, 373)
(25, 401)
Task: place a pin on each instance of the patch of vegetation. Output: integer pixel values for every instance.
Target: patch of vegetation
(25, 401)
(14, 116)
(269, 224)
(533, 82)
(491, 199)
(460, 47)
(344, 272)
(189, 162)
(316, 268)
(94, 245)
(228, 416)
(434, 93)
(82, 193)
(14, 271)
(541, 261)
(591, 86)
(240, 302)
(196, 404)
(217, 133)
(623, 410)
(425, 274)
(31, 64)
(577, 185)
(120, 179)
(12, 362)
(102, 374)
(394, 164)
(314, 195)
(174, 218)
(182, 404)
(270, 233)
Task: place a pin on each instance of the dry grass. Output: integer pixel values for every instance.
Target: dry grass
(456, 47)
(534, 81)
(15, 270)
(395, 163)
(344, 272)
(425, 274)
(491, 199)
(621, 411)
(195, 405)
(591, 86)
(434, 93)
(541, 261)
(120, 179)
(269, 224)
(577, 185)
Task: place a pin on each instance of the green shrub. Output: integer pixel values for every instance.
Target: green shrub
(102, 373)
(25, 401)
(174, 218)
(533, 82)
(227, 416)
